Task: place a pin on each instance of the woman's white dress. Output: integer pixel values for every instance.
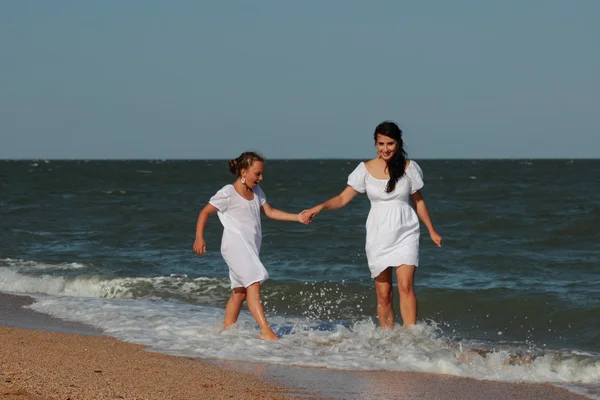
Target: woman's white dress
(392, 224)
(242, 234)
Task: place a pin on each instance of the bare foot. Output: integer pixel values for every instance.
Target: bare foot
(268, 335)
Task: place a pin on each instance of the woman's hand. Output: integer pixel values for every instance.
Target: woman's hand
(304, 218)
(311, 213)
(200, 246)
(437, 239)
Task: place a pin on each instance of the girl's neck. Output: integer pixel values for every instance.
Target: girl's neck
(242, 186)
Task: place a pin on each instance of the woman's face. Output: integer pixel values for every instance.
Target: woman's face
(254, 174)
(386, 146)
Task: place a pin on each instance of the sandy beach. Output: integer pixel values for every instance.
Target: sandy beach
(44, 362)
(45, 358)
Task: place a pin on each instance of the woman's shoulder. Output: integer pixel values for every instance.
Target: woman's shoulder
(412, 164)
(361, 167)
(368, 165)
(413, 168)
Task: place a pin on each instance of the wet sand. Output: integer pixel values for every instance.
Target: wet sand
(46, 358)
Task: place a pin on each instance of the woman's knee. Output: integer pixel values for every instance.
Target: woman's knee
(405, 287)
(406, 277)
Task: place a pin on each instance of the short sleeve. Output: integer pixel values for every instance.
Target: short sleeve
(415, 174)
(356, 180)
(261, 195)
(220, 200)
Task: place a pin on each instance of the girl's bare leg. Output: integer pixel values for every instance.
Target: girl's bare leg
(234, 305)
(408, 299)
(256, 308)
(385, 310)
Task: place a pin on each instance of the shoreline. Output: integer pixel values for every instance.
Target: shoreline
(42, 357)
(54, 365)
(47, 358)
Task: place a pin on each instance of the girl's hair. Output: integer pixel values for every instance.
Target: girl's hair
(397, 164)
(244, 161)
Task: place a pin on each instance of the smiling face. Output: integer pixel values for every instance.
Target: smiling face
(386, 146)
(253, 174)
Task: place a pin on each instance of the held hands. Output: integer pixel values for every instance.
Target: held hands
(437, 239)
(304, 218)
(200, 246)
(311, 213)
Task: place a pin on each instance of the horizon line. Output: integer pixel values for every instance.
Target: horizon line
(301, 159)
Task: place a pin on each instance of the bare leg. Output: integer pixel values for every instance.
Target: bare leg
(234, 305)
(385, 310)
(408, 299)
(256, 308)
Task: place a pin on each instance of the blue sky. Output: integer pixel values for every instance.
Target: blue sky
(298, 79)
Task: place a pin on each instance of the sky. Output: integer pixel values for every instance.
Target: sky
(198, 79)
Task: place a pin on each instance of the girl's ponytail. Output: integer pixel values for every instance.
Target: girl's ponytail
(233, 166)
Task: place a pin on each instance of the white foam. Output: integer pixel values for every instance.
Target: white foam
(28, 277)
(91, 286)
(21, 265)
(189, 330)
(113, 304)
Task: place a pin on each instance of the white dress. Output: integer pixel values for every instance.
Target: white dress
(392, 224)
(242, 235)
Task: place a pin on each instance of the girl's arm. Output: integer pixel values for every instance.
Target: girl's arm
(423, 213)
(334, 203)
(279, 215)
(200, 244)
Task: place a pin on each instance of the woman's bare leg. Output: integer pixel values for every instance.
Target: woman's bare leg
(385, 310)
(408, 299)
(256, 308)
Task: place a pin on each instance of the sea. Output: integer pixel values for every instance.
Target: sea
(512, 295)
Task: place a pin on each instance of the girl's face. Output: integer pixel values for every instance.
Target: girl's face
(254, 174)
(386, 147)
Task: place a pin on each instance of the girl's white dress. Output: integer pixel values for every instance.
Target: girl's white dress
(242, 234)
(392, 224)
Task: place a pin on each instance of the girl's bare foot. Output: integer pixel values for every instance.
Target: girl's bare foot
(268, 335)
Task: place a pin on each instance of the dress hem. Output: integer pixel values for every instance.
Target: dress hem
(379, 269)
(250, 284)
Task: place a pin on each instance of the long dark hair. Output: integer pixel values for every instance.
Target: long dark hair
(244, 161)
(397, 164)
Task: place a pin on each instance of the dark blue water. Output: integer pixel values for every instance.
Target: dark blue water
(519, 270)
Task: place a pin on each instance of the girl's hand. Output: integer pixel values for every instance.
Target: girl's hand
(312, 212)
(304, 218)
(200, 246)
(437, 239)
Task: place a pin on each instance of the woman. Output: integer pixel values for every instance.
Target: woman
(389, 180)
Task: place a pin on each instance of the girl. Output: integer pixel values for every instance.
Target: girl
(390, 181)
(238, 206)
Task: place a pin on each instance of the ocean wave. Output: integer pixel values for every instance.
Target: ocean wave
(32, 266)
(33, 281)
(194, 331)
